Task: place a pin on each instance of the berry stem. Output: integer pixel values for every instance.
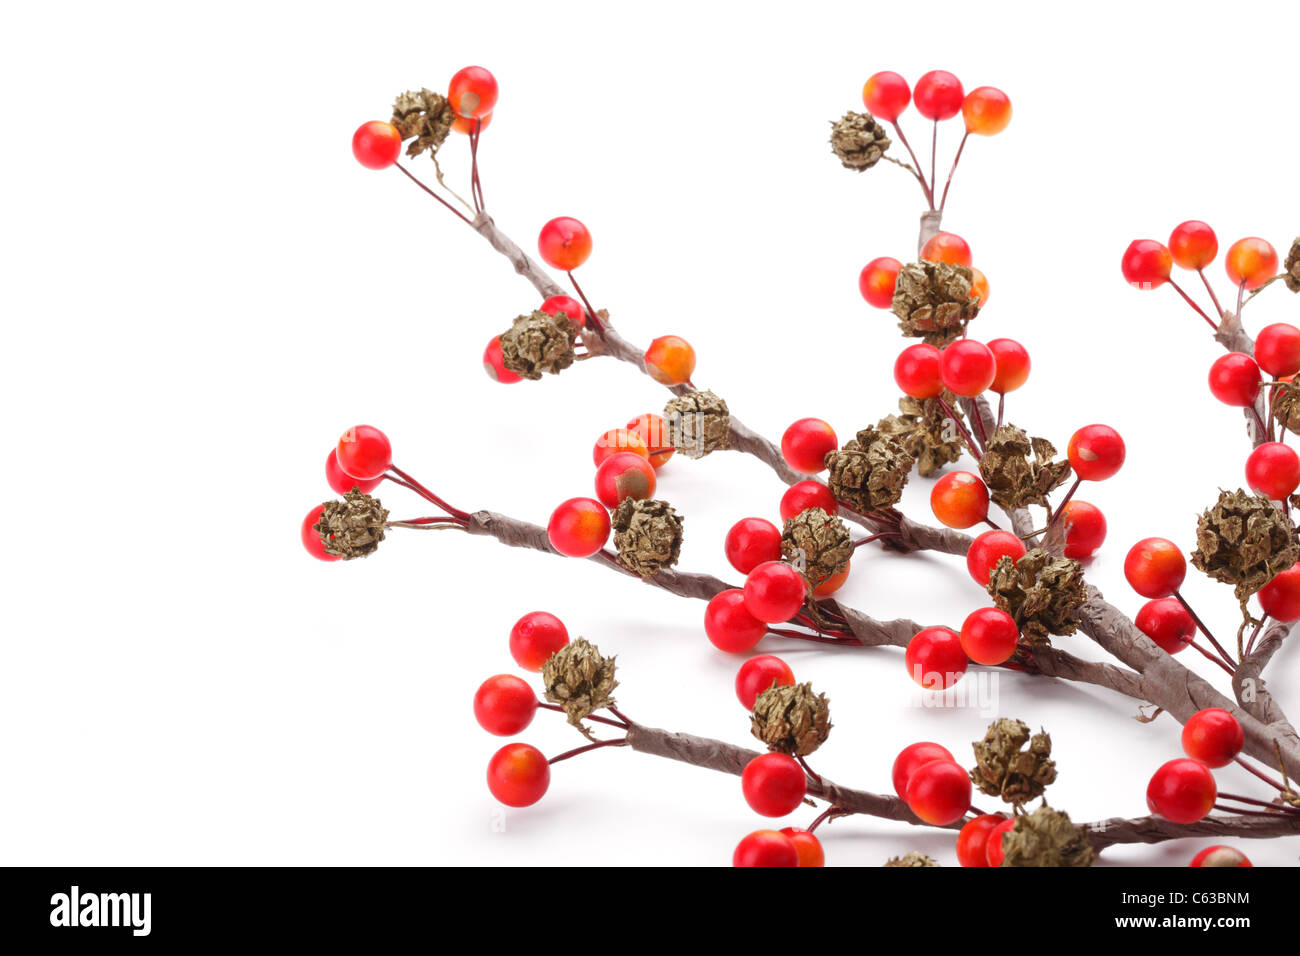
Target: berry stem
(1188, 299)
(616, 742)
(622, 725)
(591, 313)
(955, 160)
(1210, 289)
(1002, 404)
(1241, 292)
(1178, 595)
(1250, 645)
(411, 176)
(961, 427)
(874, 537)
(475, 184)
(427, 524)
(1211, 658)
(814, 775)
(934, 152)
(1279, 787)
(826, 816)
(1252, 801)
(1060, 509)
(428, 495)
(925, 187)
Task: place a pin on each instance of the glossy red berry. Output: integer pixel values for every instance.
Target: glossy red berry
(535, 637)
(808, 846)
(564, 243)
(518, 775)
(939, 792)
(1250, 262)
(994, 851)
(494, 363)
(938, 95)
(1146, 264)
(986, 110)
(1193, 244)
(1273, 470)
(1220, 856)
(1182, 791)
(650, 428)
(1096, 452)
(960, 499)
(774, 592)
(752, 541)
(342, 483)
(760, 673)
(570, 307)
(1012, 365)
(364, 452)
(376, 145)
(877, 279)
(916, 371)
(1085, 529)
(311, 540)
(472, 92)
(947, 247)
(616, 441)
(625, 475)
(766, 848)
(1213, 736)
(885, 95)
(504, 705)
(989, 548)
(935, 658)
(803, 495)
(973, 840)
(1280, 598)
(579, 527)
(1155, 568)
(774, 785)
(967, 368)
(1277, 349)
(805, 444)
(910, 758)
(670, 360)
(729, 626)
(1166, 622)
(989, 636)
(1235, 379)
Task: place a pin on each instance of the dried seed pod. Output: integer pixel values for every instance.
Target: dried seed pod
(869, 472)
(1243, 541)
(932, 301)
(1291, 268)
(1286, 405)
(791, 719)
(915, 858)
(1003, 768)
(1041, 592)
(858, 140)
(353, 527)
(926, 431)
(698, 423)
(818, 544)
(1046, 837)
(647, 534)
(537, 343)
(425, 115)
(579, 679)
(1014, 480)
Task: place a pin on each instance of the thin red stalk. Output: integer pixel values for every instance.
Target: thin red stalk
(600, 720)
(1259, 773)
(428, 495)
(955, 160)
(617, 742)
(830, 813)
(1247, 813)
(476, 185)
(409, 175)
(621, 716)
(925, 187)
(1188, 299)
(809, 770)
(591, 313)
(1241, 293)
(1002, 404)
(1210, 289)
(1250, 646)
(956, 420)
(1205, 630)
(815, 638)
(1252, 801)
(1056, 513)
(1211, 658)
(934, 152)
(874, 537)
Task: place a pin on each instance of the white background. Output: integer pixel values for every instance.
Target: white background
(203, 289)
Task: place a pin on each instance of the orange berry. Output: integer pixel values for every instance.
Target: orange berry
(960, 499)
(465, 124)
(670, 360)
(947, 247)
(652, 430)
(1251, 262)
(618, 440)
(979, 287)
(832, 584)
(986, 110)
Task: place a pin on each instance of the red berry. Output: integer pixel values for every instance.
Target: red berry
(938, 95)
(989, 635)
(1096, 452)
(466, 125)
(364, 452)
(967, 368)
(1273, 470)
(805, 444)
(1166, 622)
(494, 363)
(1234, 379)
(311, 540)
(803, 495)
(1193, 244)
(750, 542)
(989, 548)
(570, 307)
(912, 757)
(376, 144)
(1085, 529)
(579, 527)
(1155, 568)
(616, 441)
(808, 846)
(960, 499)
(1146, 264)
(564, 243)
(504, 705)
(651, 429)
(1013, 365)
(1250, 262)
(1280, 598)
(535, 637)
(935, 658)
(1277, 349)
(729, 626)
(774, 784)
(342, 483)
(624, 475)
(1182, 791)
(774, 592)
(472, 92)
(759, 674)
(994, 851)
(986, 110)
(886, 95)
(973, 840)
(518, 775)
(670, 360)
(917, 371)
(1213, 736)
(947, 247)
(939, 792)
(1220, 856)
(877, 279)
(766, 848)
